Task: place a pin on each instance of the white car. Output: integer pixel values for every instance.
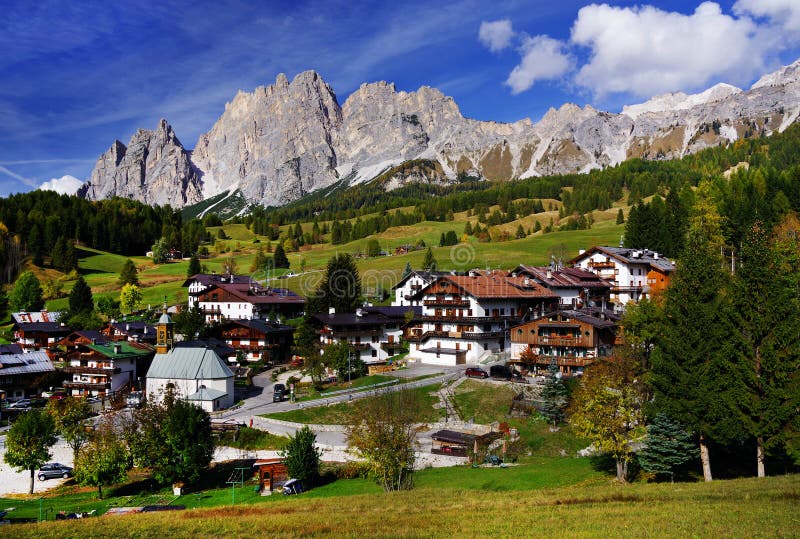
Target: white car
(22, 403)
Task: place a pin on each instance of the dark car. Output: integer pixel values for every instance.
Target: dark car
(475, 372)
(502, 372)
(54, 469)
(278, 393)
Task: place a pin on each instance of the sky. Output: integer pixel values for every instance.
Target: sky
(75, 76)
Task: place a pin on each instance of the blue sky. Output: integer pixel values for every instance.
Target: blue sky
(74, 76)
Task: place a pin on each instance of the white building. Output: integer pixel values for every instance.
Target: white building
(634, 273)
(466, 318)
(575, 287)
(405, 291)
(198, 375)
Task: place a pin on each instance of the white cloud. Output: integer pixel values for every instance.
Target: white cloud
(542, 58)
(785, 13)
(645, 50)
(496, 35)
(65, 185)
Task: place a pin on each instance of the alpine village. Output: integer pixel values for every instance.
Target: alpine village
(382, 318)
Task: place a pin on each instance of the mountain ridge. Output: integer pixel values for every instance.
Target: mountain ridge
(290, 138)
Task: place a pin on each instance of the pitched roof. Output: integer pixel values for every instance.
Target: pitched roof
(220, 347)
(563, 278)
(627, 255)
(34, 362)
(495, 285)
(44, 327)
(206, 394)
(36, 316)
(189, 364)
(207, 279)
(425, 275)
(262, 326)
(121, 349)
(257, 294)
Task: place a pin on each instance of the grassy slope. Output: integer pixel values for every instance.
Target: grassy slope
(593, 507)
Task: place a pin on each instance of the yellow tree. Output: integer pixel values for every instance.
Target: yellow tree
(607, 408)
(130, 297)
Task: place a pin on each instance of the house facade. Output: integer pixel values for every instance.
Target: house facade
(24, 374)
(374, 333)
(405, 291)
(248, 301)
(634, 273)
(133, 330)
(257, 339)
(570, 338)
(198, 375)
(465, 318)
(38, 330)
(102, 368)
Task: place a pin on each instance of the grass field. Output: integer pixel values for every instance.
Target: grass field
(532, 501)
(341, 414)
(160, 281)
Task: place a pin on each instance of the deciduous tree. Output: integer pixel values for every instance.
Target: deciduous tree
(302, 457)
(383, 433)
(103, 461)
(27, 293)
(69, 415)
(608, 408)
(129, 298)
(29, 441)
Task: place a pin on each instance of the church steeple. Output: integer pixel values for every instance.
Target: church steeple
(164, 332)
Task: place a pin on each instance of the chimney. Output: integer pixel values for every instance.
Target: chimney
(331, 310)
(655, 255)
(127, 327)
(359, 312)
(117, 348)
(549, 274)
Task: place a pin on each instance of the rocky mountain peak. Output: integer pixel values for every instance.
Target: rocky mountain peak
(785, 75)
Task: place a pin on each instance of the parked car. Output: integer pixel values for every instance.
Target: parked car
(475, 372)
(54, 469)
(278, 393)
(22, 403)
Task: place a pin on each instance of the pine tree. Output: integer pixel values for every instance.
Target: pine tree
(407, 271)
(280, 259)
(554, 395)
(429, 263)
(128, 274)
(620, 217)
(520, 232)
(80, 298)
(194, 266)
(691, 362)
(667, 447)
(766, 314)
(468, 229)
(70, 257)
(340, 289)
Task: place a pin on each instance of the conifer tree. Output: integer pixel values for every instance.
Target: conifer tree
(80, 298)
(194, 266)
(667, 447)
(520, 232)
(620, 217)
(691, 362)
(766, 313)
(280, 259)
(429, 263)
(128, 274)
(554, 395)
(408, 269)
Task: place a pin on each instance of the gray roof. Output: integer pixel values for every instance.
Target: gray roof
(36, 316)
(165, 319)
(189, 364)
(206, 394)
(34, 362)
(632, 256)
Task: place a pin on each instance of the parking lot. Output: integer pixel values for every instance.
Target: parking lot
(12, 482)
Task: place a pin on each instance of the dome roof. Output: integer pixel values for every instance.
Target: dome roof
(165, 319)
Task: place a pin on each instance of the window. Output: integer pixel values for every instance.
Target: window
(374, 353)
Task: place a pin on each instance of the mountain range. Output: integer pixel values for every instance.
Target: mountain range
(282, 141)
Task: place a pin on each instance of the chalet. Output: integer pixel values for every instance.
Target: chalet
(38, 330)
(374, 333)
(198, 375)
(24, 374)
(259, 339)
(405, 291)
(100, 369)
(633, 273)
(133, 330)
(575, 287)
(571, 338)
(465, 318)
(201, 281)
(248, 301)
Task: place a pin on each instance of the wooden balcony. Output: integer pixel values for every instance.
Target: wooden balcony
(446, 303)
(74, 369)
(546, 340)
(88, 386)
(561, 361)
(601, 265)
(351, 333)
(465, 320)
